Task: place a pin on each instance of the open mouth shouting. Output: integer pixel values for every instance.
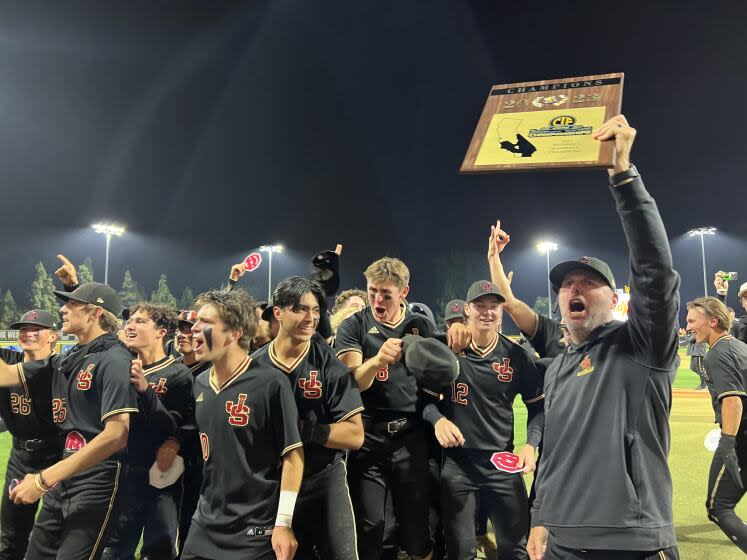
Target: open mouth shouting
(576, 308)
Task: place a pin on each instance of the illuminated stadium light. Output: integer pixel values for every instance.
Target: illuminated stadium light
(108, 230)
(701, 232)
(270, 249)
(548, 247)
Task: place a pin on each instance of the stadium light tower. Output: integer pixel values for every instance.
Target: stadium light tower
(701, 231)
(270, 249)
(108, 230)
(547, 247)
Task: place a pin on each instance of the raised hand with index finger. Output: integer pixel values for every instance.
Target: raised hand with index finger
(67, 273)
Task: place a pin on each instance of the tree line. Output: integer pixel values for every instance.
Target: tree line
(41, 294)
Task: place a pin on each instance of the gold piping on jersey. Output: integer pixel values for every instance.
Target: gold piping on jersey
(236, 373)
(352, 511)
(294, 364)
(153, 369)
(291, 448)
(108, 512)
(535, 399)
(118, 411)
(346, 350)
(22, 376)
(351, 414)
(712, 497)
(719, 339)
(398, 322)
(731, 394)
(431, 393)
(482, 352)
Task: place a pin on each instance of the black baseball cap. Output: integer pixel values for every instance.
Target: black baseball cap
(592, 264)
(422, 309)
(102, 295)
(483, 288)
(454, 310)
(429, 361)
(37, 317)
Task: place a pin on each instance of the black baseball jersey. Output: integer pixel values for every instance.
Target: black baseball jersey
(27, 415)
(322, 383)
(726, 367)
(90, 383)
(171, 381)
(198, 367)
(394, 390)
(247, 424)
(547, 338)
(482, 397)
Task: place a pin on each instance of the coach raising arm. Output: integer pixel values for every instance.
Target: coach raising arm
(604, 489)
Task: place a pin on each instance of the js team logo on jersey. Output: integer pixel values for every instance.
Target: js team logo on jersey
(503, 370)
(584, 367)
(561, 125)
(159, 388)
(85, 378)
(312, 387)
(238, 412)
(382, 374)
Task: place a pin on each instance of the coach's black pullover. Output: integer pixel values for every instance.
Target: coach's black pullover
(604, 481)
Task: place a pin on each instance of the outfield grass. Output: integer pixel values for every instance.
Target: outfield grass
(691, 419)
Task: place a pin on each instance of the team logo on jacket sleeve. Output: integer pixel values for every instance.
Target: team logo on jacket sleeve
(238, 412)
(585, 367)
(312, 387)
(503, 370)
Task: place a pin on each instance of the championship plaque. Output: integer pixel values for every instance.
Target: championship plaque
(545, 125)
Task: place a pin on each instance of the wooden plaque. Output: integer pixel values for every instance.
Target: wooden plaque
(545, 125)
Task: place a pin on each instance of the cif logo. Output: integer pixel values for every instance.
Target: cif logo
(563, 120)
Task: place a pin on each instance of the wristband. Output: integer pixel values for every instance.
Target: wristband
(286, 505)
(630, 173)
(39, 484)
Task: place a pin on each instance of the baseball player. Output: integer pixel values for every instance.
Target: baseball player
(190, 441)
(476, 421)
(145, 510)
(329, 405)
(28, 418)
(248, 424)
(454, 312)
(726, 367)
(739, 326)
(610, 391)
(394, 455)
(91, 404)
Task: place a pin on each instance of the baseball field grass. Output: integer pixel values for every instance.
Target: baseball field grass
(691, 419)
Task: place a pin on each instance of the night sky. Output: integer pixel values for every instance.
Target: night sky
(210, 128)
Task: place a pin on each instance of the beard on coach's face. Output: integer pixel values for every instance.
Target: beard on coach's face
(585, 302)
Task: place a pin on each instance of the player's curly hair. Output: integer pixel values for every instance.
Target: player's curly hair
(712, 307)
(388, 270)
(162, 315)
(235, 309)
(345, 295)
